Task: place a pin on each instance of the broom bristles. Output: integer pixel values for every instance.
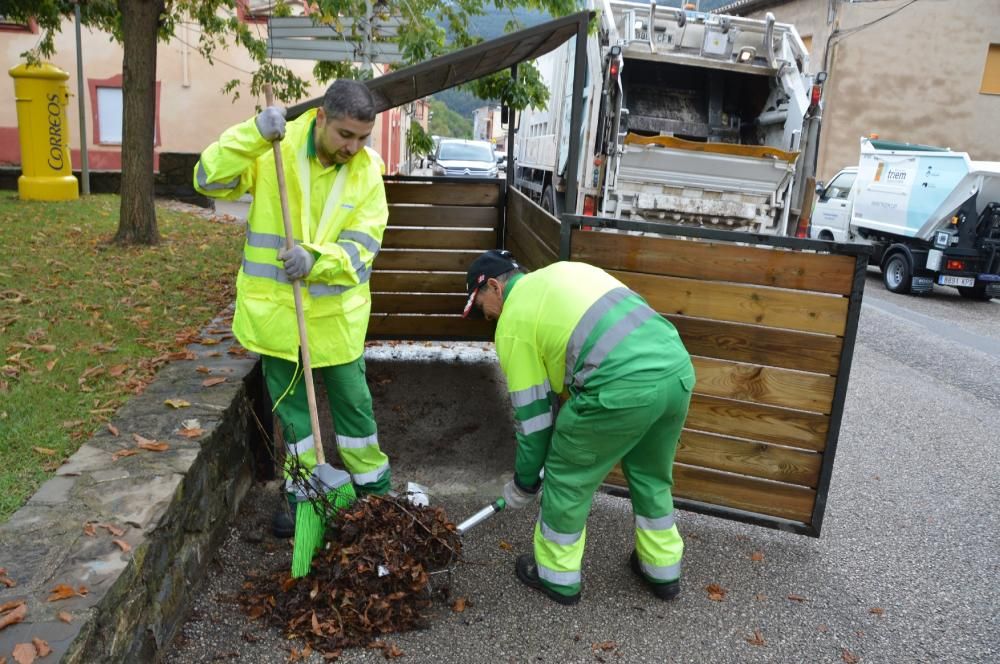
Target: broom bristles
(310, 525)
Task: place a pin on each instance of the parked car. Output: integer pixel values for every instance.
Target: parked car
(456, 157)
(501, 160)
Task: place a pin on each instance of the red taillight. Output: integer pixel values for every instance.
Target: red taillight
(589, 206)
(955, 265)
(817, 93)
(614, 67)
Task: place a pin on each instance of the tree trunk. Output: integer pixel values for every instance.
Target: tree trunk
(140, 23)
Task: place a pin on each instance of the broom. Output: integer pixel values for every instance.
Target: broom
(310, 515)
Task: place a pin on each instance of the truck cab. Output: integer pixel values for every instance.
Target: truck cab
(831, 217)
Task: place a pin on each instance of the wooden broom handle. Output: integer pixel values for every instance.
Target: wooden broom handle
(286, 217)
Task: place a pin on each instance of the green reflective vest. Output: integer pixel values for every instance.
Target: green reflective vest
(339, 214)
(573, 327)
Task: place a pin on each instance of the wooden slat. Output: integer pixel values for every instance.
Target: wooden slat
(444, 216)
(758, 305)
(715, 261)
(452, 193)
(745, 493)
(439, 238)
(442, 327)
(522, 209)
(764, 423)
(769, 462)
(417, 282)
(759, 345)
(432, 261)
(766, 385)
(418, 303)
(528, 250)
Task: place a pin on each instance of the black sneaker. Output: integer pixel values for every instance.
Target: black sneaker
(664, 591)
(283, 522)
(527, 573)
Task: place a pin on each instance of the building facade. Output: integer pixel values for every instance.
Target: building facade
(191, 107)
(919, 72)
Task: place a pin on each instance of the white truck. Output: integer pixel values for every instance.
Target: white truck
(931, 215)
(689, 117)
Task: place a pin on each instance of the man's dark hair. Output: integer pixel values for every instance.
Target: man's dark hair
(347, 98)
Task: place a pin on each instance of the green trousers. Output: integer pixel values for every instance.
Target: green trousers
(353, 421)
(637, 422)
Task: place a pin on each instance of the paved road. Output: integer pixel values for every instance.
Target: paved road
(905, 571)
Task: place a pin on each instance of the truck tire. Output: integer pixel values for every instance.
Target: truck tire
(977, 292)
(897, 273)
(549, 202)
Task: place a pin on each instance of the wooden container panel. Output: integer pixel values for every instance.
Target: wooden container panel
(745, 493)
(444, 216)
(418, 303)
(522, 210)
(392, 326)
(763, 423)
(439, 238)
(760, 345)
(758, 305)
(769, 462)
(453, 193)
(715, 261)
(765, 385)
(429, 261)
(417, 282)
(528, 249)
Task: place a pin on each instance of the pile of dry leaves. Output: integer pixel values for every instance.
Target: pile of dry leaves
(372, 578)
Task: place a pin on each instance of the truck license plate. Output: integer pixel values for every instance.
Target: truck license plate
(946, 280)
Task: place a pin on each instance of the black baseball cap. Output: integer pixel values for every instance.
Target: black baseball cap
(487, 265)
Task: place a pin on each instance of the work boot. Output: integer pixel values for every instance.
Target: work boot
(527, 573)
(664, 591)
(283, 520)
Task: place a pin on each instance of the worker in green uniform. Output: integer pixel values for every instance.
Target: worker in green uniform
(572, 330)
(338, 208)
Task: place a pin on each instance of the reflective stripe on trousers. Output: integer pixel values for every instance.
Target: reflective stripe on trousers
(659, 546)
(559, 557)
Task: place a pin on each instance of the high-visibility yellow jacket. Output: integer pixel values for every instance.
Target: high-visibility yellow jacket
(339, 214)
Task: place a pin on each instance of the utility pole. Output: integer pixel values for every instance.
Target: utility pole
(84, 160)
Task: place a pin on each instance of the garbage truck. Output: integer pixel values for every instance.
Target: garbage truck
(689, 118)
(931, 215)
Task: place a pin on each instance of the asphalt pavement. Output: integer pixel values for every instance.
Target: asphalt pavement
(905, 570)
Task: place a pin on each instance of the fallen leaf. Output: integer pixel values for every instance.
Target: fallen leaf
(123, 545)
(757, 639)
(505, 545)
(118, 370)
(72, 424)
(177, 403)
(24, 653)
(154, 446)
(61, 591)
(203, 370)
(7, 581)
(191, 433)
(209, 382)
(113, 429)
(46, 348)
(757, 556)
(876, 610)
(797, 598)
(604, 645)
(849, 657)
(44, 450)
(123, 453)
(458, 605)
(41, 646)
(50, 365)
(716, 593)
(760, 597)
(15, 616)
(65, 616)
(88, 529)
(13, 604)
(114, 530)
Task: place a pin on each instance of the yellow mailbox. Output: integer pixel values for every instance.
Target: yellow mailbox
(46, 170)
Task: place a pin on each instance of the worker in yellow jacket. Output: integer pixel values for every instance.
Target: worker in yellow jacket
(337, 204)
(572, 329)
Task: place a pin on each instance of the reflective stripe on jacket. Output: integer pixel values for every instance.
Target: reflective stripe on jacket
(572, 326)
(345, 238)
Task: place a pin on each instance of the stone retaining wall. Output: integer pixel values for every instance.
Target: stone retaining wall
(173, 507)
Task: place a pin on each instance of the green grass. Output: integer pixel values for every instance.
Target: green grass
(85, 324)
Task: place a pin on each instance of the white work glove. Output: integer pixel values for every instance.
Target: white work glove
(516, 497)
(271, 123)
(298, 262)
